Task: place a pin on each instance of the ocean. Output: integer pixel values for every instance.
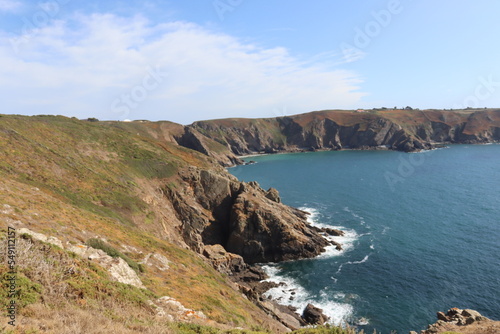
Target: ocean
(422, 233)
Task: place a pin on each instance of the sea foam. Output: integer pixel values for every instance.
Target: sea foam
(347, 240)
(291, 293)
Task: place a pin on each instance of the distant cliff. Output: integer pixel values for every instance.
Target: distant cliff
(402, 130)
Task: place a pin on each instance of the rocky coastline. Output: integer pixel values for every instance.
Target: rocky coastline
(237, 225)
(402, 130)
(171, 206)
(259, 235)
(465, 321)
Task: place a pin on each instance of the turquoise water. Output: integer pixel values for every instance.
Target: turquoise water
(423, 232)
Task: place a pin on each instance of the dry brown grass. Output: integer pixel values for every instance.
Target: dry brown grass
(68, 304)
(67, 318)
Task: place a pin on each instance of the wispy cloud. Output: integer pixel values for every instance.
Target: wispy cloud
(79, 67)
(9, 5)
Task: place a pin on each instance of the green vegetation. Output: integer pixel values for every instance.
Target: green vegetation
(26, 291)
(100, 244)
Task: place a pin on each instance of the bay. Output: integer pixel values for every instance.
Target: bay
(422, 232)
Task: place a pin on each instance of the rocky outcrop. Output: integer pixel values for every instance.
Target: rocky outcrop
(262, 230)
(172, 310)
(313, 315)
(282, 313)
(462, 321)
(225, 262)
(118, 269)
(246, 220)
(156, 260)
(273, 195)
(41, 237)
(403, 130)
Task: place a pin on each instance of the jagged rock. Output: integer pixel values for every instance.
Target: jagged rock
(193, 139)
(333, 232)
(263, 231)
(173, 310)
(313, 315)
(273, 195)
(157, 260)
(442, 316)
(282, 314)
(118, 269)
(222, 261)
(86, 252)
(472, 314)
(218, 209)
(337, 245)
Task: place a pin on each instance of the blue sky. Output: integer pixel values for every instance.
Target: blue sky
(190, 60)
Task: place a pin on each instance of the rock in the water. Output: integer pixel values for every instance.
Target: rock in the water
(313, 315)
(442, 316)
(333, 232)
(337, 245)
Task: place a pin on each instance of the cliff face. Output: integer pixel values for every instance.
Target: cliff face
(215, 208)
(404, 130)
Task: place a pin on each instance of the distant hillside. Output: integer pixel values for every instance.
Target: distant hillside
(403, 130)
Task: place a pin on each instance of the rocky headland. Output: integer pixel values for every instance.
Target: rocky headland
(402, 130)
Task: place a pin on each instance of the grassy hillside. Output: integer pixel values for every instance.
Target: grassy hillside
(77, 180)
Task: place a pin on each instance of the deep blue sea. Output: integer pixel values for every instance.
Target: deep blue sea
(422, 232)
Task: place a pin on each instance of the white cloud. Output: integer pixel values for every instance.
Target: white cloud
(9, 5)
(99, 65)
